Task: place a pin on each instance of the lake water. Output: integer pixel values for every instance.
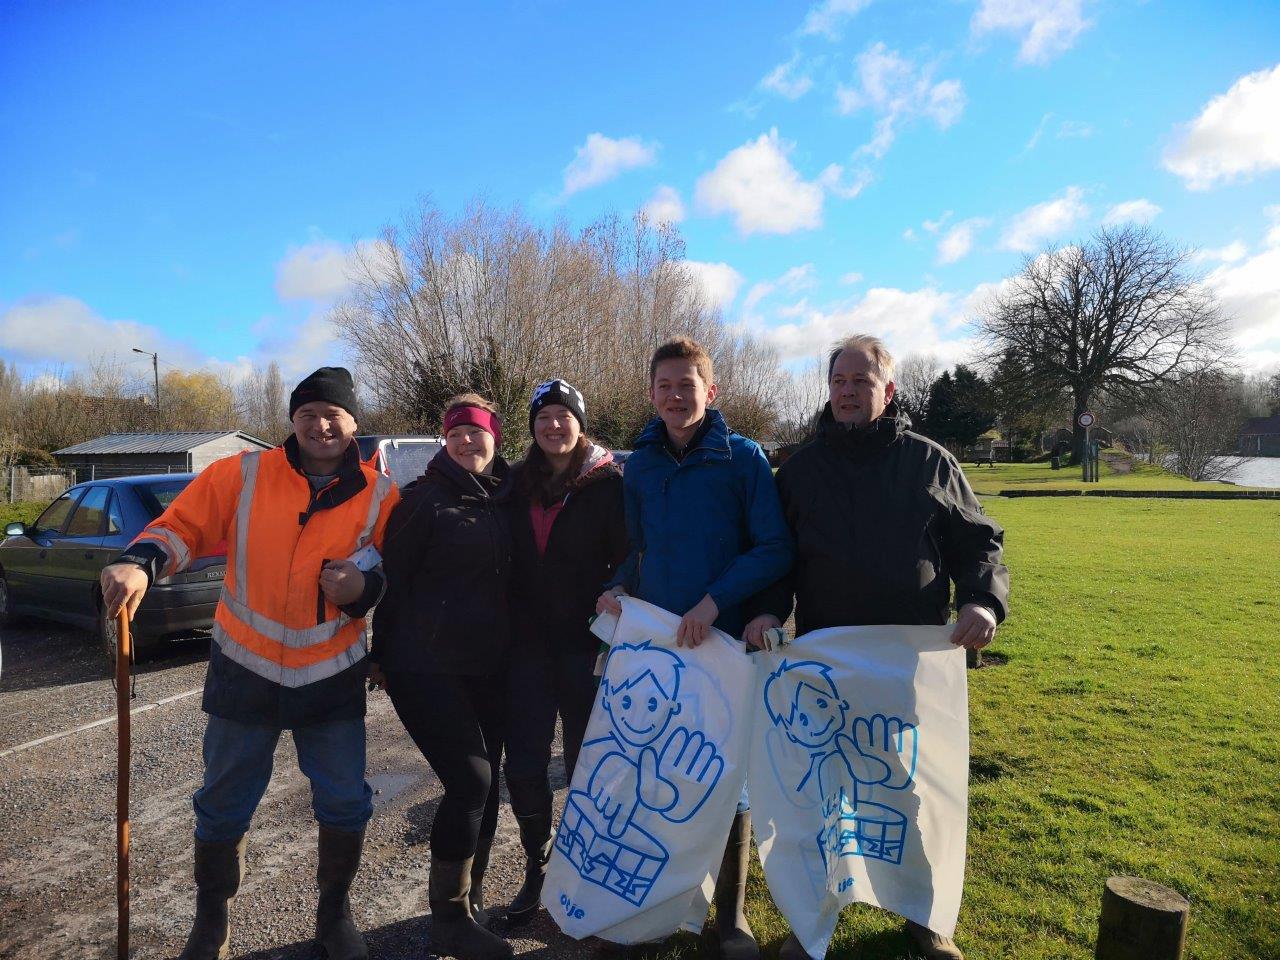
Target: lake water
(1256, 472)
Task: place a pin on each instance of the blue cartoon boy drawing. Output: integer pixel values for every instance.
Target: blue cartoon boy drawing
(647, 765)
(845, 762)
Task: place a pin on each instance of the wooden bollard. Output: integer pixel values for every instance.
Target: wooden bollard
(1141, 920)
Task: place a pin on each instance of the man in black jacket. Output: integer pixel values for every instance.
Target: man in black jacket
(884, 521)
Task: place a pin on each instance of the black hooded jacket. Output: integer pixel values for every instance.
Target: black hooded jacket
(555, 592)
(447, 559)
(883, 520)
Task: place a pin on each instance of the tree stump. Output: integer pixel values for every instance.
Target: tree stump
(1141, 920)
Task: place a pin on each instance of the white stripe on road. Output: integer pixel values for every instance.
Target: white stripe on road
(99, 723)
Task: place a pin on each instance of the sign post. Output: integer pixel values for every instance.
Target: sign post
(1088, 462)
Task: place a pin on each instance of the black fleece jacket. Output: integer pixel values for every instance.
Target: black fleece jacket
(883, 520)
(555, 593)
(447, 559)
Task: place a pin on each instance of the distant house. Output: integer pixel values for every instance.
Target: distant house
(1260, 437)
(131, 454)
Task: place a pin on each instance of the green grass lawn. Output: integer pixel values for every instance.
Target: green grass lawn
(1139, 476)
(1134, 729)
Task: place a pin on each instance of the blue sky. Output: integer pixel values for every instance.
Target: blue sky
(190, 179)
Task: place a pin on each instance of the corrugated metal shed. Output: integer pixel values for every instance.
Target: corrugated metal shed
(154, 442)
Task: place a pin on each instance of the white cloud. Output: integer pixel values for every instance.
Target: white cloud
(803, 277)
(909, 234)
(665, 206)
(759, 187)
(1248, 292)
(833, 180)
(1074, 130)
(850, 278)
(1231, 253)
(1131, 211)
(319, 271)
(896, 90)
(786, 81)
(1047, 27)
(827, 17)
(933, 226)
(958, 241)
(720, 283)
(64, 330)
(1235, 137)
(919, 321)
(1044, 221)
(602, 158)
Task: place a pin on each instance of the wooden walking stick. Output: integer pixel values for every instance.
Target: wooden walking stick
(124, 654)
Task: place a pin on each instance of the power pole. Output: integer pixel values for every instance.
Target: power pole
(155, 369)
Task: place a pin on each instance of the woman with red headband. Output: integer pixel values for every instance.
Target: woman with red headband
(441, 637)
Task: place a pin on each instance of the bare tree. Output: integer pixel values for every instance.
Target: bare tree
(1119, 313)
(914, 376)
(488, 301)
(262, 405)
(803, 394)
(1197, 417)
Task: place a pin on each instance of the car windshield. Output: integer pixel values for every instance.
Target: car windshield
(407, 460)
(157, 496)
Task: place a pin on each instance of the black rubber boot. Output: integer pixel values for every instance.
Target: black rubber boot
(454, 933)
(792, 949)
(219, 868)
(535, 837)
(935, 946)
(478, 867)
(737, 942)
(339, 859)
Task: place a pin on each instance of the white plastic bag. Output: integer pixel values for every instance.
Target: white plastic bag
(656, 785)
(859, 776)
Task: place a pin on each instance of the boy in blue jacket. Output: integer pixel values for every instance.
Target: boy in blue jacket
(707, 532)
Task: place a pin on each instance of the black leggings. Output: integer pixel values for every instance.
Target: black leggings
(540, 685)
(456, 721)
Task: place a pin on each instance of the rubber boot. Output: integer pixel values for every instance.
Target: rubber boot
(935, 946)
(535, 837)
(219, 868)
(454, 933)
(792, 949)
(737, 942)
(339, 860)
(478, 867)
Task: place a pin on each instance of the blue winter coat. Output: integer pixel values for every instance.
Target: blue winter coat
(709, 524)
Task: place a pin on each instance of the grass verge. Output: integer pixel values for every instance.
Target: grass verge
(1134, 729)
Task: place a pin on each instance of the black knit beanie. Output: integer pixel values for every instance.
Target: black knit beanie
(330, 384)
(558, 391)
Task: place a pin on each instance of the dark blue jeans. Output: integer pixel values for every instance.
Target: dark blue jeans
(238, 759)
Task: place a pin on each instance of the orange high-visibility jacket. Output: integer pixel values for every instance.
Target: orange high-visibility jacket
(281, 653)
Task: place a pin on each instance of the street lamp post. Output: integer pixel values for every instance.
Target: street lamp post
(155, 368)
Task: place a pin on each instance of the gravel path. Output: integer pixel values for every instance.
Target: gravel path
(57, 802)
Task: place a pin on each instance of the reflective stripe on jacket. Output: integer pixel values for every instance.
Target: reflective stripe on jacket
(282, 654)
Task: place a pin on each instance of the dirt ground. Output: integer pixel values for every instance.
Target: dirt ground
(57, 807)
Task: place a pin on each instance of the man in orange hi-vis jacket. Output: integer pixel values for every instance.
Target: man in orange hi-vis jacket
(303, 525)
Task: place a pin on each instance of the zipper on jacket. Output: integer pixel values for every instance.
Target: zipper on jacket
(320, 599)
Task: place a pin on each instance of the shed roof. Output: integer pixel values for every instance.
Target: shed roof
(1262, 425)
(155, 442)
